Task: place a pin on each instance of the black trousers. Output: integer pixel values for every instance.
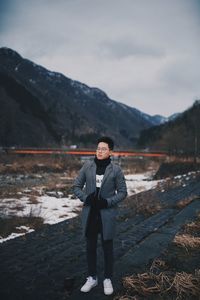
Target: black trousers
(91, 248)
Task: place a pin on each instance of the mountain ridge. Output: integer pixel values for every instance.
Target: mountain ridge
(179, 135)
(57, 110)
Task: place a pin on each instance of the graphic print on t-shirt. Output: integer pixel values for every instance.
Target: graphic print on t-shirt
(99, 179)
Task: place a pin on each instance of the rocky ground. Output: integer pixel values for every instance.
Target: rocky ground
(50, 262)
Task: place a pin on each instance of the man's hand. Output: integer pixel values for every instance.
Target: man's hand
(93, 201)
(102, 203)
(90, 200)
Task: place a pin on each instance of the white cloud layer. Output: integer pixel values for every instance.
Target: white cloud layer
(140, 52)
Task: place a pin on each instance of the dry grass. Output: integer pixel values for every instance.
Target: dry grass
(157, 265)
(162, 281)
(49, 182)
(193, 227)
(168, 184)
(56, 186)
(187, 241)
(182, 285)
(10, 192)
(184, 202)
(8, 225)
(172, 182)
(14, 163)
(33, 199)
(189, 236)
(146, 203)
(134, 165)
(127, 297)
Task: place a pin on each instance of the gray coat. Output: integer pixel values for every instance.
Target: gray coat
(113, 189)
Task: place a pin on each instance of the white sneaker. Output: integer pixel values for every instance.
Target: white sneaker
(90, 283)
(107, 285)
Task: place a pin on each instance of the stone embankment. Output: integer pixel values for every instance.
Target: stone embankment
(50, 263)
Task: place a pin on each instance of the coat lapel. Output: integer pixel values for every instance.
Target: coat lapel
(107, 173)
(93, 175)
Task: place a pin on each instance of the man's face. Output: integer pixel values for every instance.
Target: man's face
(103, 151)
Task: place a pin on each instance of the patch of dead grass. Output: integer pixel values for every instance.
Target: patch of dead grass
(146, 203)
(33, 200)
(193, 227)
(8, 225)
(160, 282)
(13, 163)
(181, 284)
(10, 192)
(187, 241)
(54, 185)
(184, 202)
(163, 281)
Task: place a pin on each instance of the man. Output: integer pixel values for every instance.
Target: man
(105, 187)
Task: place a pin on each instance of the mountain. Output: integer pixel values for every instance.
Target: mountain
(158, 119)
(172, 117)
(40, 108)
(179, 135)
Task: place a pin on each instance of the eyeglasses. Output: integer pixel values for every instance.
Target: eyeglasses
(102, 149)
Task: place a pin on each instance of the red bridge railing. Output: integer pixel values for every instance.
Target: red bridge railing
(84, 152)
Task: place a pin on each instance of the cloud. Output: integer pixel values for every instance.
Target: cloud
(182, 73)
(143, 53)
(126, 47)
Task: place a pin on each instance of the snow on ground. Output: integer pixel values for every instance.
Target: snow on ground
(56, 209)
(50, 208)
(137, 183)
(14, 234)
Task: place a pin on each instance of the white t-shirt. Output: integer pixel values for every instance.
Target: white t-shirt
(99, 179)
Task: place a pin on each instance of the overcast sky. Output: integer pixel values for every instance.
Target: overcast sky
(144, 53)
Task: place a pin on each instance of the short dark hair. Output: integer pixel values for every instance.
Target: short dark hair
(107, 140)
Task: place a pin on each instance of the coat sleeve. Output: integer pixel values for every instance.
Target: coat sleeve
(79, 183)
(120, 188)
